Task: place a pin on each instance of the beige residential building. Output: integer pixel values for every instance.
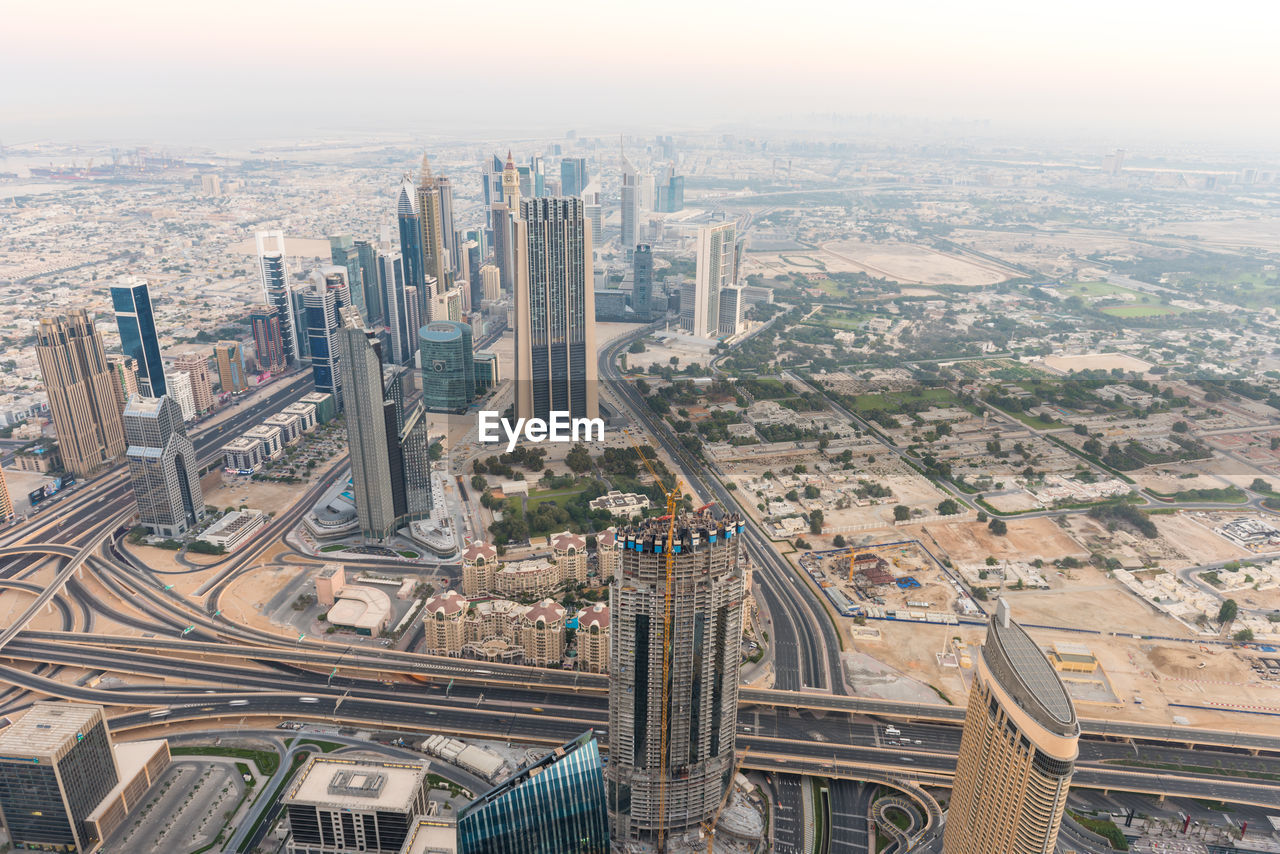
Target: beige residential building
(82, 396)
(479, 561)
(491, 280)
(540, 632)
(6, 500)
(1017, 751)
(570, 552)
(607, 553)
(444, 623)
(593, 638)
(197, 366)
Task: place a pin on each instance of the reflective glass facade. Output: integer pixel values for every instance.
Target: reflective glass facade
(448, 366)
(132, 304)
(555, 806)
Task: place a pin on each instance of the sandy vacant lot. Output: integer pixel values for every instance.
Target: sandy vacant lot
(1027, 540)
(249, 594)
(1095, 362)
(1195, 540)
(908, 264)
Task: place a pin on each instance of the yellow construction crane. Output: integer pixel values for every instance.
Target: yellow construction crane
(710, 826)
(674, 496)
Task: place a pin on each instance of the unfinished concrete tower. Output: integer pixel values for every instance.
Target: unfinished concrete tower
(693, 711)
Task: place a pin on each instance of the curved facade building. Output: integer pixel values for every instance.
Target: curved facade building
(699, 725)
(448, 366)
(1017, 752)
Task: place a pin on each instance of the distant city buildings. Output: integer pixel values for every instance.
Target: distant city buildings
(573, 176)
(693, 717)
(82, 394)
(131, 300)
(343, 253)
(162, 466)
(230, 367)
(556, 363)
(556, 805)
(1017, 751)
(630, 208)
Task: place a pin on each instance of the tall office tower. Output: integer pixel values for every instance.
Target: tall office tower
(196, 366)
(573, 176)
(675, 194)
(230, 367)
(56, 766)
(504, 216)
(6, 500)
(124, 378)
(268, 340)
(630, 208)
(1017, 750)
(491, 282)
(391, 272)
(491, 185)
(714, 273)
(367, 433)
(162, 466)
(692, 721)
(412, 317)
(182, 394)
(367, 255)
(447, 306)
(298, 297)
(82, 399)
(730, 311)
(556, 805)
(390, 463)
(688, 305)
(537, 176)
(342, 252)
(276, 290)
(448, 366)
(329, 294)
(648, 187)
(473, 260)
(410, 231)
(555, 311)
(444, 190)
(525, 175)
(435, 257)
(594, 212)
(642, 277)
(131, 300)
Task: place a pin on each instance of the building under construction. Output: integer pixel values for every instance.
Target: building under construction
(671, 738)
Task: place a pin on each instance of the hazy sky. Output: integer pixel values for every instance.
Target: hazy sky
(1117, 70)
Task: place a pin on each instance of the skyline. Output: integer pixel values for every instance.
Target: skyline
(1115, 73)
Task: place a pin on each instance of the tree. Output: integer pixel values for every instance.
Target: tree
(792, 495)
(998, 527)
(811, 492)
(838, 541)
(1243, 636)
(478, 483)
(1228, 611)
(637, 346)
(1260, 485)
(815, 522)
(982, 515)
(948, 507)
(901, 513)
(991, 560)
(578, 459)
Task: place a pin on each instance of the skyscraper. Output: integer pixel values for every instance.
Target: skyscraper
(180, 391)
(82, 399)
(276, 291)
(730, 311)
(671, 747)
(491, 282)
(329, 293)
(554, 806)
(448, 366)
(124, 378)
(268, 339)
(390, 464)
(503, 216)
(573, 175)
(56, 766)
(162, 466)
(343, 253)
(196, 365)
(1017, 750)
(444, 190)
(642, 277)
(491, 185)
(367, 254)
(715, 263)
(435, 257)
(391, 272)
(555, 311)
(630, 208)
(410, 226)
(230, 367)
(131, 300)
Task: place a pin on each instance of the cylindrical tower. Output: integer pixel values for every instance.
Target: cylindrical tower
(701, 679)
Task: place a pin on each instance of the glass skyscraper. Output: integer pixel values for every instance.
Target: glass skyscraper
(448, 366)
(642, 292)
(329, 294)
(555, 806)
(132, 303)
(275, 287)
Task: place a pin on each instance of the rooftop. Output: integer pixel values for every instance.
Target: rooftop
(1022, 669)
(358, 784)
(46, 727)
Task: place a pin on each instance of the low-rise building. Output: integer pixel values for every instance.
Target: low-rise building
(234, 529)
(270, 439)
(621, 504)
(242, 454)
(290, 426)
(326, 407)
(338, 805)
(306, 413)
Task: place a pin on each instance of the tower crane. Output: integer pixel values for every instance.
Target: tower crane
(673, 496)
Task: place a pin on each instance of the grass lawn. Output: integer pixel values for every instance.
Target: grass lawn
(1094, 289)
(838, 318)
(1142, 310)
(893, 400)
(556, 496)
(266, 760)
(336, 547)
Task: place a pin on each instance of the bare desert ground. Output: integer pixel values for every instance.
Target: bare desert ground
(1027, 540)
